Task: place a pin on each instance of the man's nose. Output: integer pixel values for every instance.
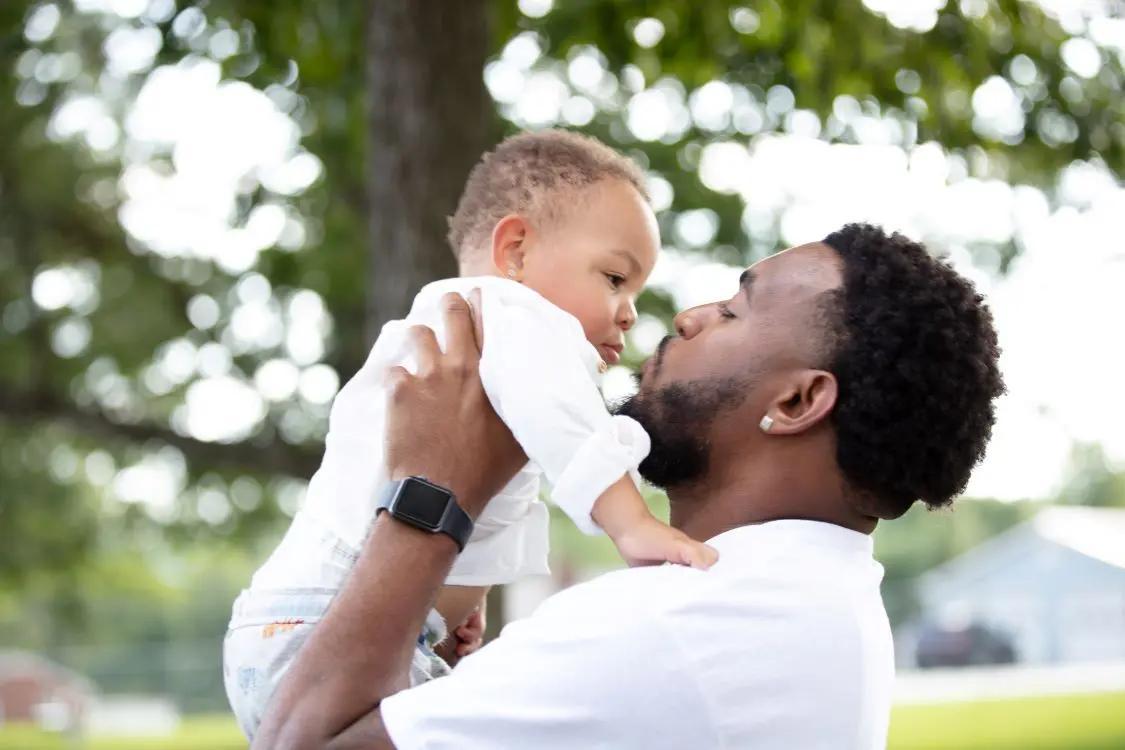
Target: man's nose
(693, 320)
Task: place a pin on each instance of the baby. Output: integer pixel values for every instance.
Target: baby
(555, 231)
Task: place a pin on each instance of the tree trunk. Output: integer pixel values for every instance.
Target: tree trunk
(429, 121)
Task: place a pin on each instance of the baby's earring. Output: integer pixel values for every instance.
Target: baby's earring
(511, 272)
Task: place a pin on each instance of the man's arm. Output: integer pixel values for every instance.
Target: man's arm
(441, 426)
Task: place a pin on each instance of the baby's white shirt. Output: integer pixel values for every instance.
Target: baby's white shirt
(542, 377)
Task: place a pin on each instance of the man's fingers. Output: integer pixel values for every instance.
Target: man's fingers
(426, 349)
(475, 307)
(396, 378)
(460, 341)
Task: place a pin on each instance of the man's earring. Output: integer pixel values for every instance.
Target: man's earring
(766, 423)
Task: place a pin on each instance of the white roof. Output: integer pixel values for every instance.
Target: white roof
(1095, 532)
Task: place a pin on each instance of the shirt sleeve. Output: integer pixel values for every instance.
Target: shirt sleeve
(535, 370)
(586, 670)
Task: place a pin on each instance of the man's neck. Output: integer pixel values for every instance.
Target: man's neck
(761, 491)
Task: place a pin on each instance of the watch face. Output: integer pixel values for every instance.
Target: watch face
(421, 503)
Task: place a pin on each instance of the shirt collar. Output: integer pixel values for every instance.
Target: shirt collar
(818, 534)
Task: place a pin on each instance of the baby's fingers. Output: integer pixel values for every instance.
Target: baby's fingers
(698, 555)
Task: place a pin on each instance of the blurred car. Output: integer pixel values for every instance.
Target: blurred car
(971, 645)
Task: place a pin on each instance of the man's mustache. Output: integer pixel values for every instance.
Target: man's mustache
(657, 360)
(660, 353)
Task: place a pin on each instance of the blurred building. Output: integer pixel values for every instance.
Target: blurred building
(1049, 591)
(35, 690)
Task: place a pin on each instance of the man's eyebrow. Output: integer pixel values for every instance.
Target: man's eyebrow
(745, 282)
(628, 256)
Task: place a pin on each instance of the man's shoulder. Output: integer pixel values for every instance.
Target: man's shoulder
(736, 597)
(632, 594)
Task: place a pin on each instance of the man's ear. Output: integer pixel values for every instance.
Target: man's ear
(508, 238)
(807, 402)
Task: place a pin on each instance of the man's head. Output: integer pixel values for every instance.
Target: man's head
(872, 360)
(567, 216)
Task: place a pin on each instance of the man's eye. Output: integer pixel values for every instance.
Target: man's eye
(614, 280)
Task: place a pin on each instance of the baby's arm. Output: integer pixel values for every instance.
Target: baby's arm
(640, 537)
(533, 371)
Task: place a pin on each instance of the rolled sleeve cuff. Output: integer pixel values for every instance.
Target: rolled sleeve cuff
(611, 452)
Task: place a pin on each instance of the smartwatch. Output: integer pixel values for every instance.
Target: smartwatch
(426, 506)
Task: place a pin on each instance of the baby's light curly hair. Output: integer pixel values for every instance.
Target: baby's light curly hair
(528, 174)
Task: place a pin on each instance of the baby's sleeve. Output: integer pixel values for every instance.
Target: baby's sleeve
(534, 372)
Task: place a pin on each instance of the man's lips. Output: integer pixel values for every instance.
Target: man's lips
(611, 353)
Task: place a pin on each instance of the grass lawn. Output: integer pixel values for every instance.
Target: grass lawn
(1070, 722)
(211, 732)
(1073, 722)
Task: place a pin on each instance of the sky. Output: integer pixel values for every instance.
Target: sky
(1058, 310)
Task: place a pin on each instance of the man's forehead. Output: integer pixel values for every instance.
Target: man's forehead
(811, 268)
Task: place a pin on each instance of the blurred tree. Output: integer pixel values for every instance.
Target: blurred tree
(108, 333)
(1092, 480)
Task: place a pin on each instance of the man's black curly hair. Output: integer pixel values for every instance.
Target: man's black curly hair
(914, 352)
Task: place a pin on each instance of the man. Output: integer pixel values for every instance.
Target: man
(843, 381)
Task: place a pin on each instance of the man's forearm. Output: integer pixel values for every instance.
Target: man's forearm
(440, 425)
(361, 651)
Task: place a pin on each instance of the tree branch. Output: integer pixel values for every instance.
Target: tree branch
(274, 457)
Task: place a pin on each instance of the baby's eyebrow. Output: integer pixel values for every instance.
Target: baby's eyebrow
(628, 256)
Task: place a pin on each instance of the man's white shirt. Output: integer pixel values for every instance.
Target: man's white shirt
(784, 643)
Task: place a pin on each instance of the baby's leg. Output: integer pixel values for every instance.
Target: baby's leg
(266, 632)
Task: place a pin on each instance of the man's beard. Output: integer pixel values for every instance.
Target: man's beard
(678, 420)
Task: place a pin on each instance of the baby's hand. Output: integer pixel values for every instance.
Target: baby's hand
(651, 542)
(464, 639)
(469, 635)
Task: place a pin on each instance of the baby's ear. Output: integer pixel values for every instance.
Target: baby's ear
(508, 246)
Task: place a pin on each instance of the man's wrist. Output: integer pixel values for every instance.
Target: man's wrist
(465, 494)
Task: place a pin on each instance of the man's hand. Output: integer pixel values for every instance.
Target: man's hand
(440, 424)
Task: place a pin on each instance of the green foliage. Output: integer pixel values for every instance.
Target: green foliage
(819, 50)
(140, 619)
(1092, 480)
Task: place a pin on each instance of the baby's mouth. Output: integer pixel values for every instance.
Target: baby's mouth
(611, 353)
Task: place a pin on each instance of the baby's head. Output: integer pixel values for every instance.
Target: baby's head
(567, 216)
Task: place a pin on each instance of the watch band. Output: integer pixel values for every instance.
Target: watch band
(414, 501)
(457, 524)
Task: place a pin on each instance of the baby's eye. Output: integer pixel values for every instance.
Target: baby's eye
(724, 311)
(615, 280)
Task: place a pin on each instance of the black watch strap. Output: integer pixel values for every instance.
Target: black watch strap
(426, 506)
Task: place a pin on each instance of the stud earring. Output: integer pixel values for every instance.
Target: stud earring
(511, 273)
(766, 423)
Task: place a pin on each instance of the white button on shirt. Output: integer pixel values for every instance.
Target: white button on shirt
(784, 643)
